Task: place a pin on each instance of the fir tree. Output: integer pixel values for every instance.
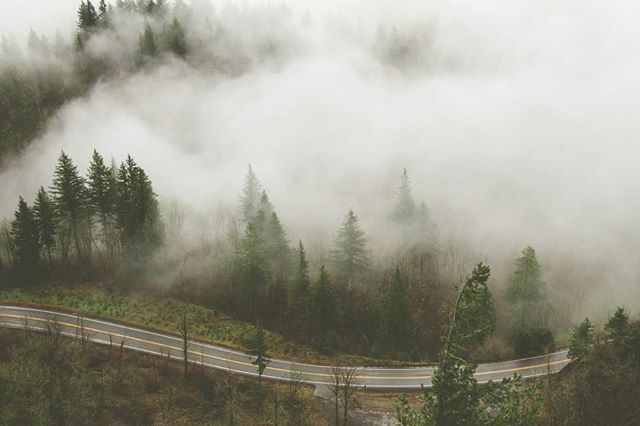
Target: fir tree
(146, 46)
(103, 197)
(87, 15)
(250, 271)
(456, 395)
(69, 196)
(404, 209)
(396, 323)
(258, 348)
(618, 327)
(176, 39)
(102, 10)
(280, 259)
(349, 254)
(324, 313)
(251, 196)
(138, 213)
(25, 238)
(45, 214)
(581, 340)
(526, 291)
(300, 289)
(103, 14)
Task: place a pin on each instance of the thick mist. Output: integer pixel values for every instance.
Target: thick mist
(516, 124)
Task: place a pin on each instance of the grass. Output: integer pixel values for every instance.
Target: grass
(160, 313)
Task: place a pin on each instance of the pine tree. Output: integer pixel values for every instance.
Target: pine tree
(103, 14)
(176, 39)
(146, 46)
(456, 395)
(88, 19)
(349, 254)
(102, 9)
(45, 215)
(251, 196)
(300, 290)
(526, 292)
(87, 16)
(404, 209)
(258, 348)
(102, 194)
(138, 213)
(25, 238)
(581, 340)
(69, 196)
(618, 326)
(395, 318)
(280, 259)
(324, 313)
(250, 271)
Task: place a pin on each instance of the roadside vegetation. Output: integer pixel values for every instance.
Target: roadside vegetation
(48, 379)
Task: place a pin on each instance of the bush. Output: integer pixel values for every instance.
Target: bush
(535, 342)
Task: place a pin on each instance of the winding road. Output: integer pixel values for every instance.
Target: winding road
(161, 344)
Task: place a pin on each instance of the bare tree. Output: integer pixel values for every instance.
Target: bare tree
(185, 318)
(344, 383)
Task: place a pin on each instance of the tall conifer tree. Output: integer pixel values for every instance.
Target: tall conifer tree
(46, 220)
(251, 196)
(69, 196)
(526, 292)
(349, 253)
(324, 312)
(25, 238)
(404, 208)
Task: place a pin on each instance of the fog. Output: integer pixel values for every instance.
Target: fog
(517, 127)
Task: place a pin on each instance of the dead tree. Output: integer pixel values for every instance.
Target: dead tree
(184, 328)
(342, 390)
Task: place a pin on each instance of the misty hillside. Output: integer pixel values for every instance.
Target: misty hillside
(364, 184)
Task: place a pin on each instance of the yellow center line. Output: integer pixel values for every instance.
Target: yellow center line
(246, 364)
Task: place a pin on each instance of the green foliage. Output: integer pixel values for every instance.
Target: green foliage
(396, 323)
(138, 213)
(512, 402)
(176, 39)
(102, 193)
(582, 339)
(526, 293)
(618, 326)
(30, 96)
(324, 313)
(533, 342)
(25, 236)
(45, 214)
(249, 271)
(456, 397)
(349, 253)
(604, 387)
(258, 348)
(70, 199)
(299, 293)
(474, 319)
(405, 208)
(87, 15)
(147, 48)
(251, 196)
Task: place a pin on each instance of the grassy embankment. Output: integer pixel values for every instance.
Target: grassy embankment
(160, 313)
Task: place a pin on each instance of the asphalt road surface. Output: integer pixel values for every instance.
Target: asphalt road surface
(161, 344)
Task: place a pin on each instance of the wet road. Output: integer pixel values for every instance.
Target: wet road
(158, 343)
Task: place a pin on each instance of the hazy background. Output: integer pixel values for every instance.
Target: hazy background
(518, 127)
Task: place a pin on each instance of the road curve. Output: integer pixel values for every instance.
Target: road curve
(162, 344)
